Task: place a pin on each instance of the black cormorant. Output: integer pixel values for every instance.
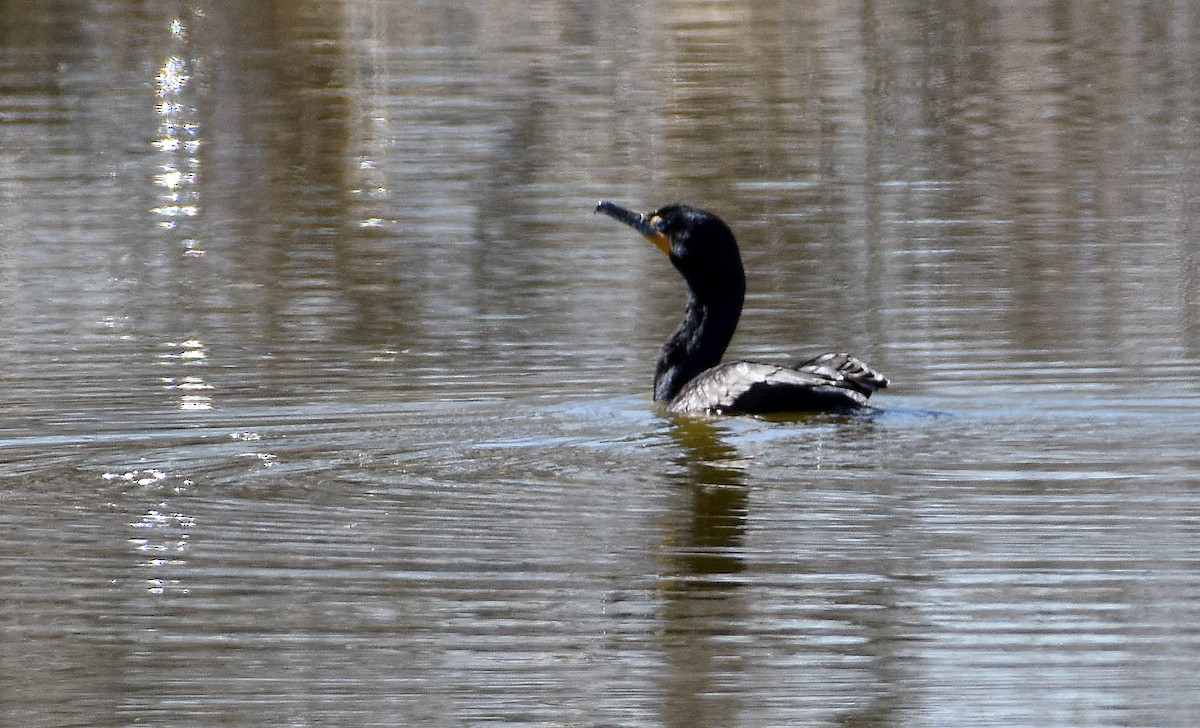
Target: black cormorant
(689, 376)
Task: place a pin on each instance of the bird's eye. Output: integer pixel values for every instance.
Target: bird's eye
(659, 224)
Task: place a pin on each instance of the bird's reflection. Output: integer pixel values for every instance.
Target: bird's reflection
(707, 632)
(705, 548)
(699, 590)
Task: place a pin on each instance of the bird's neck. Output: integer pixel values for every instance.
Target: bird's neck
(698, 343)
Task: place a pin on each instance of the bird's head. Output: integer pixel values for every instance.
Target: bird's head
(700, 245)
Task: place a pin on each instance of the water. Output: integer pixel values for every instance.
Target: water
(326, 396)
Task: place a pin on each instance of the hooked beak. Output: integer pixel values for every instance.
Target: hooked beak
(645, 224)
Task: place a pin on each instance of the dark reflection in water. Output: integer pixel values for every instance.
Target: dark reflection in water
(716, 483)
(699, 588)
(326, 398)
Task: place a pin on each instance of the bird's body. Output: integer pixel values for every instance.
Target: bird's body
(689, 377)
(829, 383)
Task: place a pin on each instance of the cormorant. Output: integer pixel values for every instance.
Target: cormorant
(689, 376)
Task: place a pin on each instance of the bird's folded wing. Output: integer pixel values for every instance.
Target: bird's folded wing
(753, 387)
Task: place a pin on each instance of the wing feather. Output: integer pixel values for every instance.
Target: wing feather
(830, 382)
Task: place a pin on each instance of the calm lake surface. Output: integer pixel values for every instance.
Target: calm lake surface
(326, 396)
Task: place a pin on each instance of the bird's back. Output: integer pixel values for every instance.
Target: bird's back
(828, 383)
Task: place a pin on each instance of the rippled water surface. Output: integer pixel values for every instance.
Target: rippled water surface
(326, 396)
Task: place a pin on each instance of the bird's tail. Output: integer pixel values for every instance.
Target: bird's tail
(847, 371)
